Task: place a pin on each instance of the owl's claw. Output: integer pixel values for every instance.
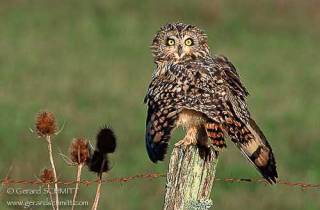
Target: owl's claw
(185, 142)
(179, 143)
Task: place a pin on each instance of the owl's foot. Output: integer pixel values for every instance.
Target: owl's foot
(190, 138)
(186, 142)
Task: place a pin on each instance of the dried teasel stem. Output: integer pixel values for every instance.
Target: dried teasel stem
(48, 138)
(79, 152)
(98, 191)
(77, 185)
(50, 196)
(96, 199)
(47, 177)
(46, 127)
(106, 143)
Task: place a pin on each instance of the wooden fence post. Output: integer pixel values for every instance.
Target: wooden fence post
(189, 179)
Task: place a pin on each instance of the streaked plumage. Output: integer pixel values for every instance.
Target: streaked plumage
(202, 93)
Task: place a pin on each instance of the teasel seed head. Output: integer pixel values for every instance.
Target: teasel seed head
(45, 124)
(106, 141)
(79, 150)
(98, 162)
(46, 175)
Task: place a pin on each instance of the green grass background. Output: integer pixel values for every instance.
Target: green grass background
(89, 62)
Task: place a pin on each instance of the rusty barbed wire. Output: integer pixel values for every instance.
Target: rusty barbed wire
(151, 176)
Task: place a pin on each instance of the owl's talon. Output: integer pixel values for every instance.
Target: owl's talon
(180, 143)
(185, 142)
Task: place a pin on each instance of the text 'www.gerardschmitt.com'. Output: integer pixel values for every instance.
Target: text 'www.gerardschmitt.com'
(43, 203)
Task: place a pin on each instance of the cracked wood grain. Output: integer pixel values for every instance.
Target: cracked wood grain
(189, 179)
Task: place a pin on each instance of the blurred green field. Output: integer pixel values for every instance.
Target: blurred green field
(89, 62)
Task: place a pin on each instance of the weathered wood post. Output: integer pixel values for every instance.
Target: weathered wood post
(189, 179)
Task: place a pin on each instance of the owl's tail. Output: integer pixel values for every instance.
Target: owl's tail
(254, 145)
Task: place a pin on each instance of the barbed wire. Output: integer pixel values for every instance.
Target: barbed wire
(151, 176)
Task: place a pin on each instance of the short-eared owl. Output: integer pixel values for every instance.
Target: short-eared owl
(204, 94)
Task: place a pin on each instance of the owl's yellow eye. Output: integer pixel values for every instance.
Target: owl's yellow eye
(170, 42)
(188, 42)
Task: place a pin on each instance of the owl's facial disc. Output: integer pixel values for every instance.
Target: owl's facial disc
(179, 42)
(180, 47)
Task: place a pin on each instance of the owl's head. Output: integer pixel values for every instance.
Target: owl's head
(178, 42)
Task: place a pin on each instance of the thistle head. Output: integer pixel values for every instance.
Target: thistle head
(45, 124)
(79, 150)
(46, 175)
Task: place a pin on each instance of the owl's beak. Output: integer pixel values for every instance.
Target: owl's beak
(179, 50)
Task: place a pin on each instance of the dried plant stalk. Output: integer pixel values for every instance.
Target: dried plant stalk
(96, 200)
(50, 196)
(77, 185)
(79, 153)
(106, 143)
(47, 177)
(46, 127)
(48, 138)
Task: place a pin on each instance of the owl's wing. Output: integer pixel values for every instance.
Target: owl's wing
(242, 129)
(161, 99)
(236, 93)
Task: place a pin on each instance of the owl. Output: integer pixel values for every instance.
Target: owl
(202, 92)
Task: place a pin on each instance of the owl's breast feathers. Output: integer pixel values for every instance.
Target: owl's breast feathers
(209, 85)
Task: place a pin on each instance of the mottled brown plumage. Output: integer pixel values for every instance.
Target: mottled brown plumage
(202, 93)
